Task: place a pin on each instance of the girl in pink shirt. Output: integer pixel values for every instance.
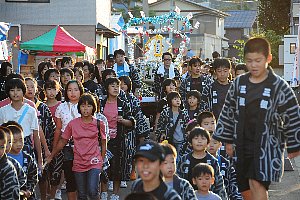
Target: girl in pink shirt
(86, 132)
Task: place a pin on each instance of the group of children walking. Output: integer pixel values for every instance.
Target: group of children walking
(214, 137)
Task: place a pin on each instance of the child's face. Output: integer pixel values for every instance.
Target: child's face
(86, 109)
(213, 146)
(18, 143)
(51, 93)
(65, 78)
(120, 59)
(199, 143)
(147, 169)
(101, 67)
(16, 94)
(204, 182)
(54, 77)
(209, 124)
(78, 76)
(44, 70)
(170, 88)
(168, 167)
(73, 92)
(114, 89)
(9, 143)
(192, 101)
(222, 74)
(257, 64)
(239, 72)
(2, 147)
(31, 89)
(176, 102)
(124, 86)
(196, 69)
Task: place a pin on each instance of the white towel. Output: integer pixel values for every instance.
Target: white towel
(161, 70)
(126, 67)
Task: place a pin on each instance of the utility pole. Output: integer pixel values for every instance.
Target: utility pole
(172, 7)
(146, 11)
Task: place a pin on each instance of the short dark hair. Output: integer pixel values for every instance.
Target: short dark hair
(171, 96)
(91, 69)
(15, 129)
(4, 67)
(68, 71)
(167, 82)
(166, 54)
(81, 89)
(257, 45)
(3, 136)
(215, 54)
(191, 125)
(202, 169)
(203, 115)
(240, 66)
(49, 72)
(221, 62)
(12, 123)
(127, 81)
(41, 67)
(99, 61)
(169, 149)
(120, 52)
(195, 60)
(199, 131)
(107, 72)
(53, 85)
(78, 65)
(15, 83)
(14, 75)
(87, 98)
(111, 81)
(6, 131)
(194, 93)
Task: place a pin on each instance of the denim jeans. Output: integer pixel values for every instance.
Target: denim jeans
(88, 184)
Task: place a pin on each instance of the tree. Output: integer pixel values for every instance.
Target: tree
(274, 15)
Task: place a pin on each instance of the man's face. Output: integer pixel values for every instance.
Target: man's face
(167, 61)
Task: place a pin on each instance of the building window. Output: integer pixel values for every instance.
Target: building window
(292, 48)
(29, 1)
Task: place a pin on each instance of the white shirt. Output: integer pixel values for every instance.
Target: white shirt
(64, 113)
(29, 122)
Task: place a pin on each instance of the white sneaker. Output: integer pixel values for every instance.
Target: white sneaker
(110, 186)
(58, 195)
(123, 184)
(104, 196)
(114, 197)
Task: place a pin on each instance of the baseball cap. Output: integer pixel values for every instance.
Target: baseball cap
(151, 150)
(110, 57)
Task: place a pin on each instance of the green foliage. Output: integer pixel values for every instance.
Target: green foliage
(274, 15)
(240, 47)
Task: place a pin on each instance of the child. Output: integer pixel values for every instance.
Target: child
(199, 138)
(227, 170)
(193, 99)
(207, 121)
(215, 94)
(25, 115)
(25, 160)
(186, 147)
(196, 81)
(240, 69)
(9, 185)
(52, 75)
(168, 169)
(53, 95)
(21, 174)
(66, 112)
(203, 177)
(120, 121)
(260, 116)
(89, 84)
(148, 159)
(172, 122)
(66, 75)
(86, 134)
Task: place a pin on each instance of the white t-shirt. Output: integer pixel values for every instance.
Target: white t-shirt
(64, 113)
(29, 122)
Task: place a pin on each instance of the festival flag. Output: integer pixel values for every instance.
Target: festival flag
(177, 10)
(4, 27)
(190, 16)
(196, 26)
(295, 72)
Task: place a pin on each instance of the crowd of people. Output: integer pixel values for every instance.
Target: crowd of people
(219, 131)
